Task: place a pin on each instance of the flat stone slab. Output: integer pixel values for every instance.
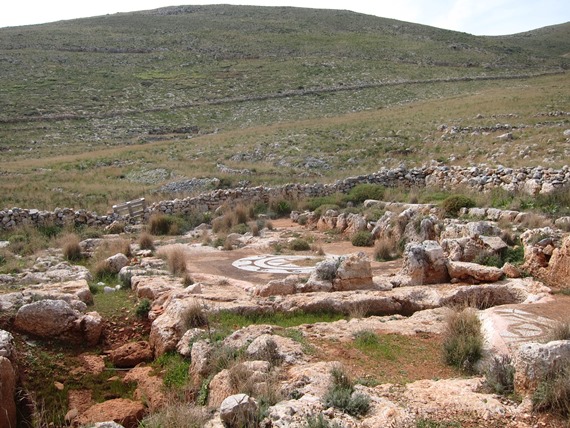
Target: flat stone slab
(284, 264)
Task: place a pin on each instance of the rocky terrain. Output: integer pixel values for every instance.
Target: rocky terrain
(370, 356)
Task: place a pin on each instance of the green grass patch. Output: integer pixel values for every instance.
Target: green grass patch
(174, 368)
(386, 346)
(225, 319)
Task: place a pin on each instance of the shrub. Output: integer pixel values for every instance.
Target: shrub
(116, 227)
(176, 260)
(146, 242)
(500, 375)
(336, 199)
(320, 422)
(299, 245)
(553, 393)
(463, 340)
(361, 192)
(176, 415)
(240, 228)
(489, 260)
(362, 239)
(194, 316)
(71, 248)
(281, 207)
(514, 255)
(159, 224)
(103, 272)
(560, 331)
(453, 204)
(187, 280)
(143, 308)
(386, 249)
(340, 394)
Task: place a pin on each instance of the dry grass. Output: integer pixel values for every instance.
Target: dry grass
(175, 257)
(194, 316)
(70, 247)
(535, 221)
(560, 331)
(177, 415)
(386, 249)
(146, 242)
(463, 340)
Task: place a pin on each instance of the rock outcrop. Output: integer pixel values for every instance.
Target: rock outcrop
(56, 319)
(425, 263)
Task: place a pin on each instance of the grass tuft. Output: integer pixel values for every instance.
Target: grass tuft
(463, 340)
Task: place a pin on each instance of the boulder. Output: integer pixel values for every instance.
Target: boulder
(7, 348)
(275, 349)
(131, 354)
(425, 263)
(51, 319)
(239, 410)
(200, 358)
(167, 329)
(7, 393)
(123, 411)
(150, 388)
(534, 360)
(117, 262)
(244, 336)
(278, 287)
(353, 273)
(465, 271)
(184, 345)
(152, 287)
(70, 291)
(355, 223)
(559, 265)
(253, 373)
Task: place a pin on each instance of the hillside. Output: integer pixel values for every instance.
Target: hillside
(112, 85)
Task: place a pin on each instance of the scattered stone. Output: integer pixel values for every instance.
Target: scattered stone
(125, 412)
(238, 410)
(465, 271)
(425, 263)
(131, 354)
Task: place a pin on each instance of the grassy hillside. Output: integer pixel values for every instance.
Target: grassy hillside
(103, 109)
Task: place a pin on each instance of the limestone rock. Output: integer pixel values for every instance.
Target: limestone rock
(465, 271)
(131, 354)
(7, 393)
(353, 273)
(57, 319)
(117, 262)
(425, 263)
(7, 348)
(511, 271)
(534, 360)
(278, 287)
(244, 336)
(69, 291)
(200, 357)
(255, 373)
(559, 265)
(184, 345)
(167, 329)
(126, 412)
(275, 349)
(149, 387)
(152, 287)
(238, 410)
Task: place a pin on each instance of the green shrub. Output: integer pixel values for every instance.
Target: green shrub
(281, 207)
(320, 422)
(463, 340)
(361, 192)
(340, 395)
(143, 308)
(489, 260)
(174, 369)
(553, 392)
(453, 204)
(336, 199)
(159, 224)
(514, 255)
(362, 239)
(299, 245)
(500, 375)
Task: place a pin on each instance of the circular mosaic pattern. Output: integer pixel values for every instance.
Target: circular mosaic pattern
(273, 264)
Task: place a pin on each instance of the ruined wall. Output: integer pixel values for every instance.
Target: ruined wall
(530, 180)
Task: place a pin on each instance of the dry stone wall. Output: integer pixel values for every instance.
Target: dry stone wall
(482, 178)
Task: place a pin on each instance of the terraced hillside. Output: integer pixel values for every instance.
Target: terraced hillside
(99, 110)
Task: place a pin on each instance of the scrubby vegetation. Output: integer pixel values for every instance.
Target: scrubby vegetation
(463, 342)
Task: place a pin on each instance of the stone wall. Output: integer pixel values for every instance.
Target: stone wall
(481, 178)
